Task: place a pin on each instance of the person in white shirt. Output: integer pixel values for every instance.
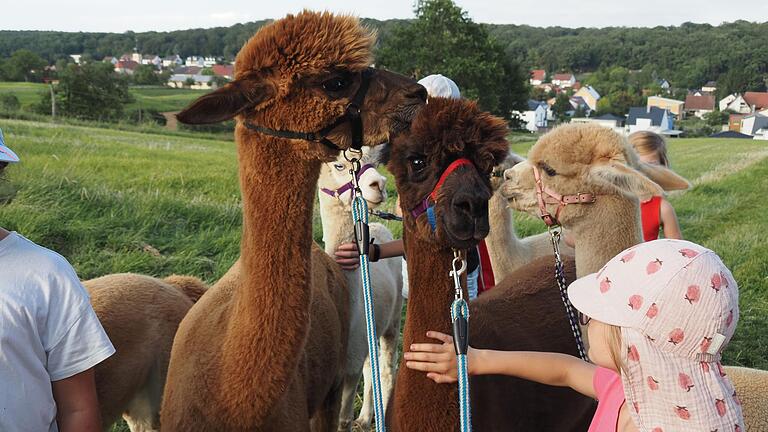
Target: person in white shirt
(50, 338)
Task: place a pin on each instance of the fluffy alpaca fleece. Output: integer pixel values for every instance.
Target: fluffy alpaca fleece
(507, 251)
(443, 131)
(140, 315)
(751, 387)
(264, 349)
(336, 215)
(595, 159)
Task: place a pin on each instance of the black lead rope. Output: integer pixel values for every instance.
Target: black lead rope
(385, 215)
(352, 114)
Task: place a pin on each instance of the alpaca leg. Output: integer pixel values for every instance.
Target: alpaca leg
(388, 359)
(327, 418)
(143, 412)
(347, 401)
(365, 418)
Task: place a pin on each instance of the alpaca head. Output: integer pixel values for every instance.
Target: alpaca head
(497, 177)
(443, 132)
(299, 74)
(335, 180)
(582, 158)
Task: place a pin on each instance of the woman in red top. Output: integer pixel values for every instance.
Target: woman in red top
(657, 212)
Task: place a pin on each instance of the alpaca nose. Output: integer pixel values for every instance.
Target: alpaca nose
(378, 184)
(471, 205)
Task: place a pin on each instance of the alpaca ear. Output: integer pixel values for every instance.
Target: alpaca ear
(228, 101)
(625, 178)
(664, 177)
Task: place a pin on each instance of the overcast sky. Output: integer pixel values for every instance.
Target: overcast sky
(164, 15)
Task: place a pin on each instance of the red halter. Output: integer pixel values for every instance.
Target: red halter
(562, 200)
(425, 204)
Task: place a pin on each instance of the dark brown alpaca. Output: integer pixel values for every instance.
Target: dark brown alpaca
(517, 314)
(263, 350)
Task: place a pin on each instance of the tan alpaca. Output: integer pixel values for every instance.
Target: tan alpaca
(386, 283)
(507, 251)
(588, 158)
(264, 349)
(140, 315)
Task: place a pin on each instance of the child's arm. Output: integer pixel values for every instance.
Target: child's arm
(669, 221)
(439, 361)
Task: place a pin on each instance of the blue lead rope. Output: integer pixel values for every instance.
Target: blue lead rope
(460, 321)
(360, 219)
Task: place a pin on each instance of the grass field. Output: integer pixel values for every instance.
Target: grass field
(116, 201)
(157, 98)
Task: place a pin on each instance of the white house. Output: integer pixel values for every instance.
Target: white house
(201, 82)
(172, 61)
(538, 76)
(564, 80)
(609, 121)
(536, 117)
(194, 61)
(709, 87)
(652, 119)
(76, 58)
(151, 59)
(734, 103)
(754, 125)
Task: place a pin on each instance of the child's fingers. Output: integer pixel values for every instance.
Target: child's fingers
(424, 356)
(440, 378)
(427, 366)
(427, 347)
(440, 336)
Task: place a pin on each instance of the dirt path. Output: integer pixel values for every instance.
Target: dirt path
(170, 120)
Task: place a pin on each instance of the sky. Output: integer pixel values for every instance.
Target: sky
(165, 15)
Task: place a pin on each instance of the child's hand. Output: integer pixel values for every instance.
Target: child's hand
(346, 256)
(438, 360)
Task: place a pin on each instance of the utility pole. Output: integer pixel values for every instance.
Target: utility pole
(53, 103)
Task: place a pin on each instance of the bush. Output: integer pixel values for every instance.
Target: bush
(146, 115)
(9, 102)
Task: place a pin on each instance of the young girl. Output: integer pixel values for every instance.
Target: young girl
(657, 212)
(661, 314)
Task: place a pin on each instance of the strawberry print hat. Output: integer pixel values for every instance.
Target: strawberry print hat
(677, 305)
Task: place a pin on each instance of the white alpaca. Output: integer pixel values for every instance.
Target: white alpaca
(386, 285)
(506, 250)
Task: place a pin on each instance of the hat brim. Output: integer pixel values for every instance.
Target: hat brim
(7, 155)
(584, 294)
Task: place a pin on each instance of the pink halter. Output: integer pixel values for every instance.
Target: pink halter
(556, 198)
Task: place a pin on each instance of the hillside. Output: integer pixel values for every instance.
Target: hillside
(688, 55)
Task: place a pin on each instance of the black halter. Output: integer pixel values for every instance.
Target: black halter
(351, 114)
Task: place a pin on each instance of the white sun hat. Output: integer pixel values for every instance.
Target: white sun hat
(440, 86)
(677, 305)
(6, 154)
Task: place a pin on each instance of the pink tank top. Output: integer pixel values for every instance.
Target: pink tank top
(610, 397)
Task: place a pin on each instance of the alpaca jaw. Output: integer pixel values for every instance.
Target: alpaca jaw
(519, 188)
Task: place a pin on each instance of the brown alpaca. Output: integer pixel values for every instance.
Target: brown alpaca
(264, 348)
(444, 131)
(140, 315)
(507, 251)
(597, 160)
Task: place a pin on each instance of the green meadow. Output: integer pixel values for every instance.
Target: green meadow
(149, 97)
(119, 201)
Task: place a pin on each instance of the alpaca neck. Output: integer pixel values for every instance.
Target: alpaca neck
(270, 310)
(421, 404)
(612, 225)
(505, 249)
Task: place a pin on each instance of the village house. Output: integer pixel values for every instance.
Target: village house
(76, 58)
(536, 117)
(151, 59)
(755, 125)
(734, 103)
(709, 87)
(758, 101)
(609, 121)
(652, 119)
(172, 61)
(564, 80)
(225, 71)
(664, 84)
(589, 95)
(126, 67)
(194, 82)
(699, 105)
(673, 105)
(537, 77)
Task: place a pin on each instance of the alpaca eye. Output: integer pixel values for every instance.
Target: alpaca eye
(549, 170)
(339, 166)
(335, 84)
(417, 164)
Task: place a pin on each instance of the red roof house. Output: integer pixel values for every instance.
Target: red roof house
(759, 100)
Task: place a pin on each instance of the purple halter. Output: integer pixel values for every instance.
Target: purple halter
(346, 186)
